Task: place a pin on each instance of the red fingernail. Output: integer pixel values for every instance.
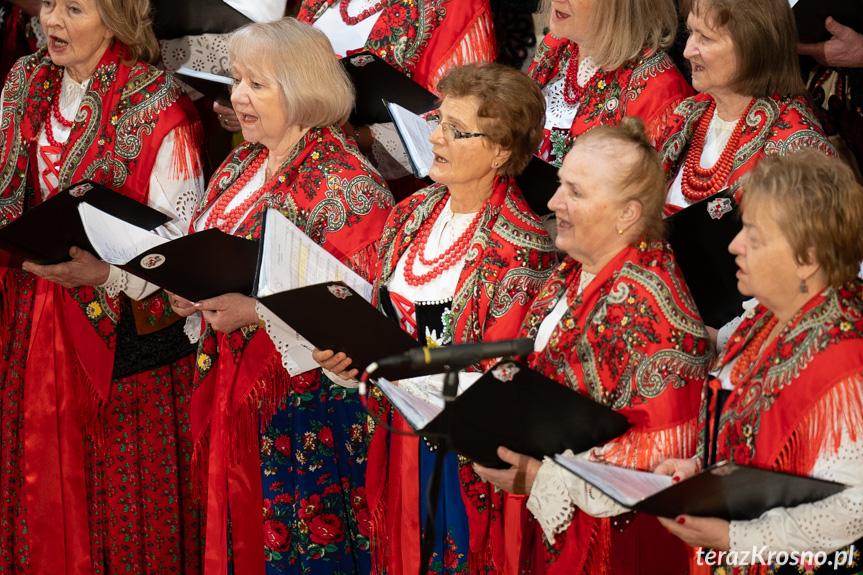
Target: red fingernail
(681, 520)
(675, 479)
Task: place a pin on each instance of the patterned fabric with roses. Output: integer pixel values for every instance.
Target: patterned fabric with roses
(58, 344)
(649, 87)
(509, 260)
(634, 341)
(773, 126)
(425, 38)
(291, 444)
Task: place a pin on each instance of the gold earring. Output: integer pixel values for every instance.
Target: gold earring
(495, 164)
(619, 232)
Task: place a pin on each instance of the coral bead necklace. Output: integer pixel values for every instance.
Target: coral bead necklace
(219, 216)
(448, 258)
(354, 20)
(55, 111)
(697, 182)
(749, 356)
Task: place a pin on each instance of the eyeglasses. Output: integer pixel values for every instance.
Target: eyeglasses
(450, 132)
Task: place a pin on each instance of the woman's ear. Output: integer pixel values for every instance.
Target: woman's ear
(500, 158)
(630, 213)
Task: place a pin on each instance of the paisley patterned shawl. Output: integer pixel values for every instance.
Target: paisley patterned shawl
(774, 126)
(124, 116)
(791, 407)
(331, 192)
(633, 340)
(508, 261)
(650, 87)
(425, 38)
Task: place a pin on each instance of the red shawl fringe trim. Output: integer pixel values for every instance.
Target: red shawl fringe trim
(645, 449)
(200, 464)
(91, 405)
(378, 536)
(272, 385)
(598, 561)
(9, 298)
(188, 140)
(820, 430)
(480, 561)
(478, 44)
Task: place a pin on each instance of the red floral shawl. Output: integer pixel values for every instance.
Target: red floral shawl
(425, 38)
(773, 126)
(806, 386)
(127, 111)
(508, 261)
(633, 340)
(649, 87)
(330, 191)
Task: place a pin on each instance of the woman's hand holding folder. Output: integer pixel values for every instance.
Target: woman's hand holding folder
(229, 312)
(83, 270)
(518, 479)
(335, 363)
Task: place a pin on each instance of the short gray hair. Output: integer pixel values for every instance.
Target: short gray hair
(316, 90)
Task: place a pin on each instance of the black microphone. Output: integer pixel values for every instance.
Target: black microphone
(457, 356)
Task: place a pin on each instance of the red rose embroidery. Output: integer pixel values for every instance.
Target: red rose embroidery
(306, 382)
(210, 345)
(325, 529)
(364, 521)
(157, 307)
(326, 436)
(310, 507)
(283, 445)
(236, 340)
(277, 536)
(268, 508)
(87, 294)
(283, 498)
(106, 326)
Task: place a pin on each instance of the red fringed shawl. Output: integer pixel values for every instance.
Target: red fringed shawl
(509, 260)
(331, 192)
(773, 126)
(425, 38)
(126, 113)
(634, 341)
(649, 87)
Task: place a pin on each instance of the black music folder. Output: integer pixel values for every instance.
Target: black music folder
(200, 266)
(810, 16)
(538, 183)
(375, 81)
(172, 19)
(699, 236)
(726, 490)
(333, 316)
(213, 86)
(514, 406)
(44, 233)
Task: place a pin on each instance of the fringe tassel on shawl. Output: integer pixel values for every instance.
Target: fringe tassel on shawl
(482, 562)
(200, 464)
(821, 429)
(188, 141)
(9, 300)
(92, 407)
(378, 537)
(478, 44)
(272, 385)
(598, 561)
(645, 449)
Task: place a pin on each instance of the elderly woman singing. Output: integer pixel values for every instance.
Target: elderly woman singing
(90, 105)
(292, 446)
(460, 262)
(795, 363)
(614, 322)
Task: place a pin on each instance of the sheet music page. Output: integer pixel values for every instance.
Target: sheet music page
(291, 260)
(626, 486)
(417, 412)
(414, 132)
(296, 351)
(116, 241)
(205, 76)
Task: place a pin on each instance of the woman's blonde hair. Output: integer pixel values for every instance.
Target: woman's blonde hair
(132, 24)
(640, 176)
(624, 28)
(818, 204)
(316, 89)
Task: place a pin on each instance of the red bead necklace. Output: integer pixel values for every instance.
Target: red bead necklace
(55, 111)
(354, 20)
(572, 92)
(749, 356)
(699, 183)
(445, 260)
(219, 216)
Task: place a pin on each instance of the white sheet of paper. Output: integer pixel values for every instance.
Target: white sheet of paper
(291, 260)
(116, 241)
(415, 133)
(417, 412)
(205, 76)
(626, 486)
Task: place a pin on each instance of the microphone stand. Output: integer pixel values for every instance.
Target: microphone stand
(449, 393)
